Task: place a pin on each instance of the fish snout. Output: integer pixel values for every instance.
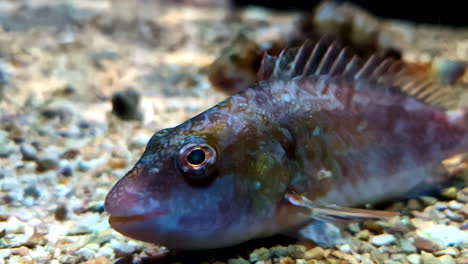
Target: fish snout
(127, 197)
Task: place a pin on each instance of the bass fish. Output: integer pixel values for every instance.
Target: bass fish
(320, 134)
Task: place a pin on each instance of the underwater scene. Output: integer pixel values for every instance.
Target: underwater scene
(204, 131)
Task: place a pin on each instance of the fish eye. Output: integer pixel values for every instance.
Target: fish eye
(196, 160)
(196, 157)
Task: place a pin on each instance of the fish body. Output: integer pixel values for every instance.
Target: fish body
(320, 124)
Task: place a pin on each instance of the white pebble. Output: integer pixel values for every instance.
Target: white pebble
(86, 253)
(301, 261)
(446, 259)
(383, 240)
(454, 205)
(106, 252)
(4, 253)
(345, 248)
(124, 247)
(414, 259)
(447, 235)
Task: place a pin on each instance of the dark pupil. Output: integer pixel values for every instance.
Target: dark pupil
(196, 157)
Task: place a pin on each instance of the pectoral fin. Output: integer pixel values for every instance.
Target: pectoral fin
(327, 222)
(336, 212)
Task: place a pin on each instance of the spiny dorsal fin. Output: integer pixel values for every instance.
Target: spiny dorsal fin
(325, 58)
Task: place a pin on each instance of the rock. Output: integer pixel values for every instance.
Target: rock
(354, 228)
(4, 253)
(61, 213)
(414, 204)
(363, 235)
(383, 240)
(414, 259)
(126, 104)
(48, 163)
(462, 195)
(446, 259)
(106, 252)
(407, 246)
(454, 205)
(454, 216)
(451, 251)
(428, 200)
(296, 251)
(428, 258)
(301, 261)
(446, 235)
(6, 145)
(440, 206)
(314, 253)
(65, 170)
(287, 260)
(28, 151)
(122, 261)
(32, 191)
(398, 257)
(345, 248)
(279, 251)
(86, 253)
(260, 254)
(449, 193)
(237, 261)
(426, 245)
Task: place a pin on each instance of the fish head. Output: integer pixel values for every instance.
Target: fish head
(200, 185)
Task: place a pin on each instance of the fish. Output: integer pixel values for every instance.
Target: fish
(321, 134)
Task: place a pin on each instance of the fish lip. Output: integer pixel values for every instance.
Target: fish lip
(115, 220)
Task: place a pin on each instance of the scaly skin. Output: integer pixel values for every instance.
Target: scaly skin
(326, 138)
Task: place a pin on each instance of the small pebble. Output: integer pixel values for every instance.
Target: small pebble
(65, 170)
(296, 251)
(345, 248)
(354, 227)
(414, 204)
(426, 245)
(106, 252)
(287, 260)
(47, 164)
(462, 195)
(363, 235)
(32, 191)
(125, 105)
(451, 251)
(428, 258)
(61, 213)
(449, 193)
(314, 253)
(301, 261)
(407, 246)
(279, 251)
(28, 152)
(86, 253)
(446, 235)
(122, 261)
(428, 200)
(446, 259)
(454, 216)
(4, 253)
(238, 261)
(414, 259)
(454, 205)
(383, 240)
(259, 254)
(441, 206)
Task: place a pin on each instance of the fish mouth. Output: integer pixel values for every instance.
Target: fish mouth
(117, 220)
